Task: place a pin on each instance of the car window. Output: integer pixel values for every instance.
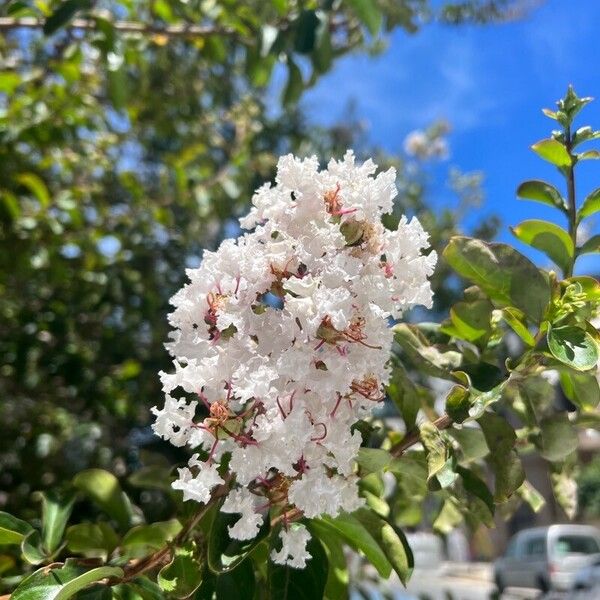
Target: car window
(576, 544)
(535, 547)
(511, 551)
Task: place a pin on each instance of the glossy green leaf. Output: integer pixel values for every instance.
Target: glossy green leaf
(589, 286)
(591, 246)
(516, 321)
(427, 357)
(476, 486)
(573, 346)
(239, 583)
(448, 518)
(391, 540)
(152, 477)
(564, 487)
(582, 389)
(55, 515)
(471, 441)
(225, 553)
(64, 12)
(288, 583)
(338, 577)
(558, 438)
(589, 155)
(12, 530)
(368, 12)
(530, 495)
(458, 403)
(104, 489)
(552, 151)
(590, 206)
(143, 539)
(584, 134)
(357, 536)
(506, 465)
(541, 191)
(504, 274)
(471, 320)
(63, 582)
(551, 239)
(405, 395)
(92, 539)
(373, 459)
(183, 575)
(31, 548)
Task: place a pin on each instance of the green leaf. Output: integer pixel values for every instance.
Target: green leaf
(36, 186)
(471, 441)
(439, 462)
(391, 540)
(592, 246)
(55, 515)
(143, 539)
(504, 274)
(103, 487)
(477, 487)
(183, 575)
(369, 14)
(589, 155)
(584, 134)
(65, 11)
(295, 84)
(12, 530)
(573, 346)
(516, 321)
(448, 517)
(530, 495)
(305, 31)
(589, 286)
(508, 470)
(426, 357)
(558, 437)
(458, 403)
(551, 239)
(565, 489)
(373, 459)
(225, 553)
(239, 583)
(322, 56)
(405, 395)
(582, 389)
(92, 539)
(338, 578)
(287, 583)
(31, 548)
(552, 151)
(541, 191)
(471, 320)
(152, 477)
(590, 206)
(61, 583)
(357, 536)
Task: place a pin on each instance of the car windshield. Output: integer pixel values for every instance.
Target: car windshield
(576, 544)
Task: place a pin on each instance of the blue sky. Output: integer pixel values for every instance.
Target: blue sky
(490, 82)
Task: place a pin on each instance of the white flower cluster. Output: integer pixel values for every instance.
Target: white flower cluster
(282, 338)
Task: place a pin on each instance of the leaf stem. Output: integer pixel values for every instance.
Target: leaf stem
(571, 204)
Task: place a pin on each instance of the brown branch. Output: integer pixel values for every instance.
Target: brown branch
(180, 30)
(132, 570)
(413, 437)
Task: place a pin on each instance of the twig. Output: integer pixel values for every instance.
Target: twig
(410, 439)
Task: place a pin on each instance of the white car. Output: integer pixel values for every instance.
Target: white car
(588, 577)
(546, 558)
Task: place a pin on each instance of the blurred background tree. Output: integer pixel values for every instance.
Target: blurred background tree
(132, 134)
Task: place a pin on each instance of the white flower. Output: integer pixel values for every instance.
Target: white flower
(197, 487)
(243, 502)
(283, 337)
(293, 547)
